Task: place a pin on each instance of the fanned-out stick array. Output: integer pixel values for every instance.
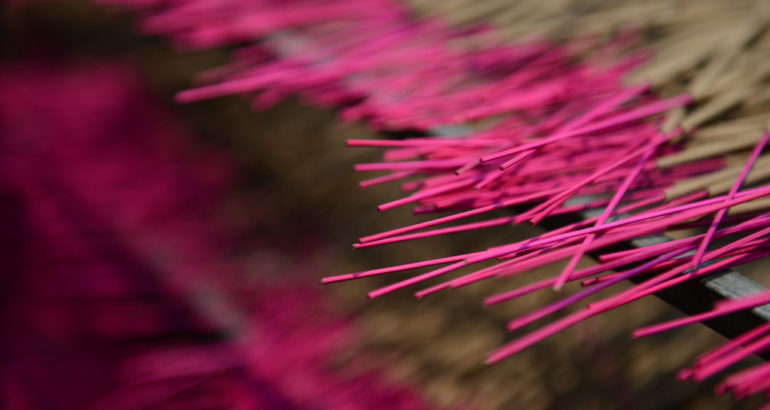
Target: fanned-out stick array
(644, 111)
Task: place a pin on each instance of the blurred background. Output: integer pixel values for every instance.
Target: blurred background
(159, 255)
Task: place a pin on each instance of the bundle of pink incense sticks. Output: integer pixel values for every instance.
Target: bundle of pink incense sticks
(545, 129)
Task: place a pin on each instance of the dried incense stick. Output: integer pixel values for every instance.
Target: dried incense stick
(718, 218)
(606, 214)
(719, 310)
(545, 123)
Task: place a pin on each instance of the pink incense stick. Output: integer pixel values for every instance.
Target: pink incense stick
(731, 345)
(570, 320)
(565, 275)
(544, 311)
(651, 109)
(720, 309)
(669, 278)
(733, 190)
